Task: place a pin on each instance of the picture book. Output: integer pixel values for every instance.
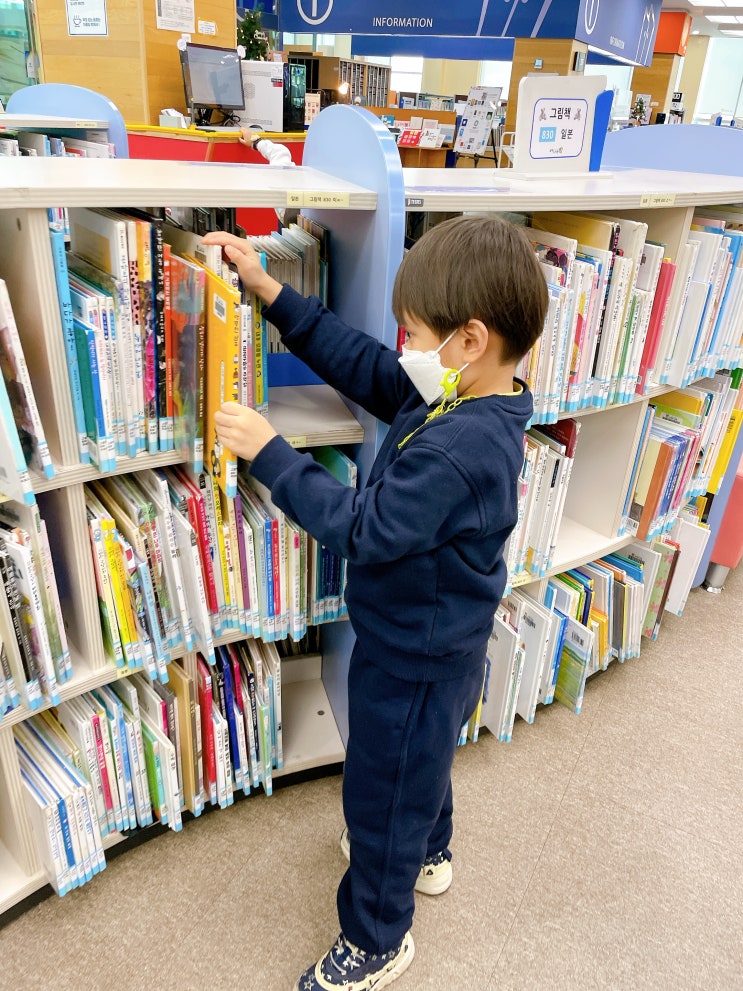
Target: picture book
(222, 319)
(61, 277)
(20, 391)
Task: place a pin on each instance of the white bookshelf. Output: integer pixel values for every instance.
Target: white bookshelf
(49, 122)
(483, 190)
(306, 415)
(118, 182)
(354, 184)
(609, 437)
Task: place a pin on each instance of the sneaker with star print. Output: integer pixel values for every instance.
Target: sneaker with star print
(350, 968)
(435, 875)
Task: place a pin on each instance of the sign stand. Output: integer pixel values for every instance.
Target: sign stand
(476, 125)
(555, 127)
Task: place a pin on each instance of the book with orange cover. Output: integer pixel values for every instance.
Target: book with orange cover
(656, 487)
(222, 317)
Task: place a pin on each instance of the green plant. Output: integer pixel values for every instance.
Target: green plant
(252, 37)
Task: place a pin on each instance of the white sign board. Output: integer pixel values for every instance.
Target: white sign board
(554, 123)
(477, 120)
(176, 15)
(86, 17)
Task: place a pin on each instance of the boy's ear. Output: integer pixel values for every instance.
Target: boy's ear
(475, 339)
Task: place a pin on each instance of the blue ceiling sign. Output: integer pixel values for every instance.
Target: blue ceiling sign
(476, 49)
(624, 30)
(468, 18)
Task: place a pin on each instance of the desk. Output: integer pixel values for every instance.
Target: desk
(413, 156)
(177, 144)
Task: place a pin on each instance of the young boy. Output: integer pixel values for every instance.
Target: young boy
(424, 544)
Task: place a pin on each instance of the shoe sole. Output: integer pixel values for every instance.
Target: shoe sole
(424, 885)
(401, 965)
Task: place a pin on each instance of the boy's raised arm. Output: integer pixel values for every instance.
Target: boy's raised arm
(349, 360)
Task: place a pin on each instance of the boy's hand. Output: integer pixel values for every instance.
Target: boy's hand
(242, 430)
(241, 252)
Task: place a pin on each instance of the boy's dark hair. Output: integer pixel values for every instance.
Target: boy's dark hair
(474, 267)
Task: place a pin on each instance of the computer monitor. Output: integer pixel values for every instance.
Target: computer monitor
(212, 80)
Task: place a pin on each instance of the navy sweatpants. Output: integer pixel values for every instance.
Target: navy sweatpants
(397, 795)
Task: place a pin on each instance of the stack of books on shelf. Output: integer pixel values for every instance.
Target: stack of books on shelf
(158, 333)
(178, 564)
(36, 656)
(135, 752)
(38, 145)
(546, 643)
(623, 317)
(543, 485)
(685, 446)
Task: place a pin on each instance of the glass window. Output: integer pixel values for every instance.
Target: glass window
(496, 74)
(406, 74)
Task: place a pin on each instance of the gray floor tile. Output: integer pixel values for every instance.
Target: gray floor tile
(600, 852)
(622, 902)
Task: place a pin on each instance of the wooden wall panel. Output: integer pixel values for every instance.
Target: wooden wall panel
(113, 65)
(557, 55)
(136, 66)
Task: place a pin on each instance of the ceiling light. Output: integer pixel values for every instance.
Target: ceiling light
(722, 19)
(734, 34)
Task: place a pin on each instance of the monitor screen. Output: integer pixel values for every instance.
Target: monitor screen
(212, 77)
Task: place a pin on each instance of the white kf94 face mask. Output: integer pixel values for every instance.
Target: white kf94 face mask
(428, 375)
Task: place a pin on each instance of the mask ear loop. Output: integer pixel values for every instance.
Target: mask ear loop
(450, 381)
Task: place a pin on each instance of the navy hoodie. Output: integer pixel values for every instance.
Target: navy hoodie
(424, 538)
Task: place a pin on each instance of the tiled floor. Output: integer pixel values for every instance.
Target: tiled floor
(600, 851)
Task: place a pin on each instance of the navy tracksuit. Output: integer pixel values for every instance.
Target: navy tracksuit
(424, 543)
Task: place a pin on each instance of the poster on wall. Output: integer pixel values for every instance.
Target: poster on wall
(176, 15)
(478, 117)
(86, 17)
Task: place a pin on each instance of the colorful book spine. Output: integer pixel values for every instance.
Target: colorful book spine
(61, 277)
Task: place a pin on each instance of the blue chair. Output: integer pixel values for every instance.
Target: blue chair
(65, 100)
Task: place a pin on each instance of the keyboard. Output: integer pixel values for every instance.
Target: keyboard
(223, 129)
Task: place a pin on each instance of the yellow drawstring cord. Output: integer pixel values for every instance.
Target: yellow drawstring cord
(441, 408)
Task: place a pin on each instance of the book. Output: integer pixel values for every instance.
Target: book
(206, 701)
(668, 551)
(20, 391)
(575, 659)
(692, 537)
(534, 627)
(61, 277)
(101, 239)
(222, 307)
(656, 323)
(28, 528)
(187, 332)
(19, 560)
(504, 663)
